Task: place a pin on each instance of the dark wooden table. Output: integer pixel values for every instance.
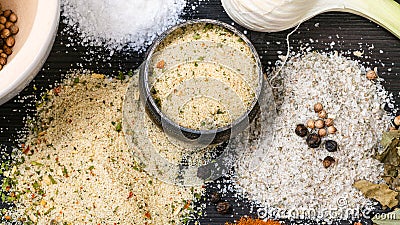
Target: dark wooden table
(348, 32)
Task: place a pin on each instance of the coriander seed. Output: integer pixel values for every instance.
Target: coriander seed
(329, 122)
(14, 29)
(371, 75)
(322, 132)
(322, 114)
(301, 130)
(332, 130)
(10, 41)
(13, 18)
(328, 161)
(7, 13)
(3, 20)
(313, 140)
(4, 55)
(318, 107)
(5, 33)
(319, 124)
(8, 24)
(311, 124)
(7, 50)
(3, 61)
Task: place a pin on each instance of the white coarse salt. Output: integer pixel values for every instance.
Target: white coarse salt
(119, 24)
(291, 175)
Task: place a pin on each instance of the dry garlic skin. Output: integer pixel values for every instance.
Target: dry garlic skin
(204, 77)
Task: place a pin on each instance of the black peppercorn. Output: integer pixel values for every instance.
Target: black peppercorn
(223, 207)
(301, 130)
(313, 140)
(331, 145)
(215, 197)
(328, 161)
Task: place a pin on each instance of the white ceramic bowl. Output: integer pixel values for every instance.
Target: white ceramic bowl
(37, 22)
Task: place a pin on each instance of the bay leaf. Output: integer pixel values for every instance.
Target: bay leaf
(391, 218)
(380, 192)
(387, 137)
(390, 155)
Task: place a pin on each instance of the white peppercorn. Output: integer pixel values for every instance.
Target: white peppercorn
(329, 122)
(311, 124)
(322, 132)
(331, 130)
(318, 107)
(319, 124)
(322, 114)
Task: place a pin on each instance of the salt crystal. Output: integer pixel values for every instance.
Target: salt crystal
(292, 172)
(117, 24)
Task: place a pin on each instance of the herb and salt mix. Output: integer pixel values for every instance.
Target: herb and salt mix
(75, 166)
(204, 76)
(293, 180)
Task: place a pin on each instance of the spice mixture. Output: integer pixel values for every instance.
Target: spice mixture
(76, 168)
(293, 175)
(8, 30)
(168, 159)
(195, 82)
(117, 24)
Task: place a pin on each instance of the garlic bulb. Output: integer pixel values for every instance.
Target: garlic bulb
(278, 15)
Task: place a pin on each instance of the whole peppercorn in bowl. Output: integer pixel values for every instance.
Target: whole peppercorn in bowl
(28, 30)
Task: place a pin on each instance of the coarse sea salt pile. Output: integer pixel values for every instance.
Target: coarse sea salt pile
(291, 181)
(118, 24)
